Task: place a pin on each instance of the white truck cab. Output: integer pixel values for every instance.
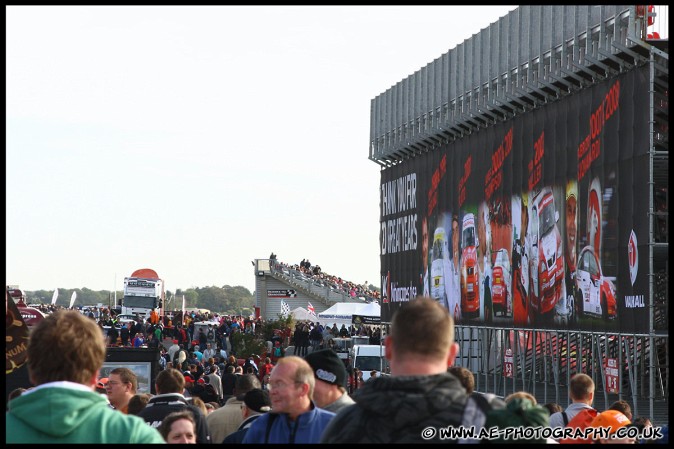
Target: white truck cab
(367, 358)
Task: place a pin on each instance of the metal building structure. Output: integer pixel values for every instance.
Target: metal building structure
(533, 56)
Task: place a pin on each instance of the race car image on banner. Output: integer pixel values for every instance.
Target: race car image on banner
(518, 224)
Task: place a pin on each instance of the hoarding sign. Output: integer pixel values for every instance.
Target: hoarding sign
(611, 371)
(533, 222)
(508, 363)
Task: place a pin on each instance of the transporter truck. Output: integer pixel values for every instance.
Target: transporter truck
(143, 293)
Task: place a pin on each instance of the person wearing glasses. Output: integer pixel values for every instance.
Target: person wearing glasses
(121, 387)
(294, 418)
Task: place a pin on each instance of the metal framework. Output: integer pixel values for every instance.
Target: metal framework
(533, 56)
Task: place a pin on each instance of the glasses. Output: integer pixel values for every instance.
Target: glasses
(281, 385)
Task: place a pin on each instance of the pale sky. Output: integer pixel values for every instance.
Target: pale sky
(194, 139)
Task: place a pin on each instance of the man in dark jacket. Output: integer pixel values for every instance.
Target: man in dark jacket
(420, 394)
(170, 384)
(256, 403)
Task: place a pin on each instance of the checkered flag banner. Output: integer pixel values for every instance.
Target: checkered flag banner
(285, 308)
(311, 309)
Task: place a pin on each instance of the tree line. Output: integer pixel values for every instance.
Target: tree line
(229, 300)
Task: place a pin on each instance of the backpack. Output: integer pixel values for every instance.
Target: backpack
(277, 352)
(582, 420)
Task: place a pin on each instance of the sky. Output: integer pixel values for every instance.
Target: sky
(195, 139)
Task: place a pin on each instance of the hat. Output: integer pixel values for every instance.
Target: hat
(257, 400)
(188, 378)
(175, 342)
(610, 418)
(201, 381)
(327, 366)
(103, 382)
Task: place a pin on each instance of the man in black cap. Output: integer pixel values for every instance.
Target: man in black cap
(256, 403)
(330, 373)
(227, 418)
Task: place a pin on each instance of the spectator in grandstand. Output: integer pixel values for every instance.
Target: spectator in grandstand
(170, 384)
(63, 408)
(581, 393)
(296, 419)
(622, 406)
(419, 349)
(228, 418)
(179, 428)
(330, 386)
(121, 387)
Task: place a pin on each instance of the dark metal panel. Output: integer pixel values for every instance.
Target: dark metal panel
(566, 47)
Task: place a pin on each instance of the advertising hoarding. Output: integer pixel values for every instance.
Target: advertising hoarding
(539, 221)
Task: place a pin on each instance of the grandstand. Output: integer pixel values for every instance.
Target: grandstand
(275, 280)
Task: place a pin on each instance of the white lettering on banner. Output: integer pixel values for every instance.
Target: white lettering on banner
(399, 195)
(634, 302)
(399, 234)
(402, 294)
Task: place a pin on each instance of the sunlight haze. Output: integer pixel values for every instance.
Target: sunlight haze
(195, 139)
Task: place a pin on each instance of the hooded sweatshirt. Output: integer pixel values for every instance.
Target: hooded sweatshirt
(66, 412)
(395, 409)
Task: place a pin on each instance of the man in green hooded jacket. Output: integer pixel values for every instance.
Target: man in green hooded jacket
(66, 350)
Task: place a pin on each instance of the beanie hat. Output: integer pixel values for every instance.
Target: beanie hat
(327, 366)
(257, 400)
(610, 418)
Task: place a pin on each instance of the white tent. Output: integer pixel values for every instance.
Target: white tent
(372, 309)
(340, 313)
(302, 314)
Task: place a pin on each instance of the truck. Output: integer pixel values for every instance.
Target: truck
(143, 292)
(367, 358)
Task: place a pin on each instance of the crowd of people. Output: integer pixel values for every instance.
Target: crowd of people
(203, 395)
(315, 274)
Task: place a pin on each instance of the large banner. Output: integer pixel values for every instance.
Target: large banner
(540, 221)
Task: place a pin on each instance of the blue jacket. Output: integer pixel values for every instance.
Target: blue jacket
(308, 427)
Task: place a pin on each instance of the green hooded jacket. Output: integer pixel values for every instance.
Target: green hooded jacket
(66, 415)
